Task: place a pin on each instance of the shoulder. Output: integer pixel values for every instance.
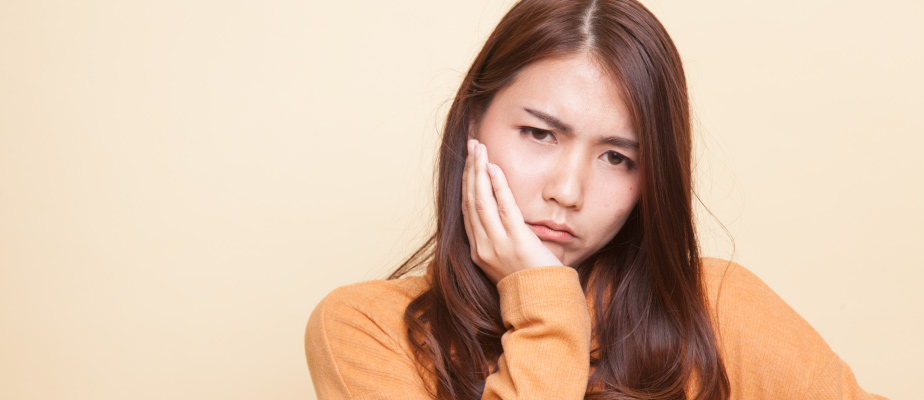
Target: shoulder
(740, 298)
(731, 285)
(357, 330)
(768, 348)
(381, 302)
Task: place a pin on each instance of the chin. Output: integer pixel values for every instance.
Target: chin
(572, 260)
(573, 263)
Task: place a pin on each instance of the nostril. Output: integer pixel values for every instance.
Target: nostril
(567, 193)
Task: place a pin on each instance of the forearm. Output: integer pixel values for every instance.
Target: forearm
(547, 344)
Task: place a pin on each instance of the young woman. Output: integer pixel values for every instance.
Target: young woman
(565, 263)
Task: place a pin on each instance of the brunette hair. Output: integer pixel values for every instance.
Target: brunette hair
(652, 326)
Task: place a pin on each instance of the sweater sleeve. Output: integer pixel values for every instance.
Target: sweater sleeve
(547, 343)
(769, 350)
(836, 381)
(355, 342)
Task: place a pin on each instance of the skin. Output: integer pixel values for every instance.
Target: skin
(523, 168)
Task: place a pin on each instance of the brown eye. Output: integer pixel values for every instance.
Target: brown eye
(541, 135)
(615, 158)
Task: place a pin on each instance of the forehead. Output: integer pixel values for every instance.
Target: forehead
(575, 89)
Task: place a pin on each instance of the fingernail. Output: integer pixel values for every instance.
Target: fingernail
(471, 145)
(492, 170)
(478, 151)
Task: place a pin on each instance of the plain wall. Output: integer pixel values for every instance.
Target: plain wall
(181, 182)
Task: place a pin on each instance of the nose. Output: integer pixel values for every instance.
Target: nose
(566, 180)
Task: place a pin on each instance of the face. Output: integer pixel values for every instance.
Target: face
(564, 139)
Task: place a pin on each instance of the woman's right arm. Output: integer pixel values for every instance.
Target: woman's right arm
(547, 343)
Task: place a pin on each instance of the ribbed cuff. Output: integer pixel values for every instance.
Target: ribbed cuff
(558, 286)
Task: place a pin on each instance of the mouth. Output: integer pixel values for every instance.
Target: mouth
(548, 230)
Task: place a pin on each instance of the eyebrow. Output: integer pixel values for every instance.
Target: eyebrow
(552, 121)
(557, 124)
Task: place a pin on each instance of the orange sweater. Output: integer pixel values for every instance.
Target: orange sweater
(356, 341)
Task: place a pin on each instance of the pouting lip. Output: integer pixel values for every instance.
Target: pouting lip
(556, 226)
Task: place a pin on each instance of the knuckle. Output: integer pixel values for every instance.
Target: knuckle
(484, 253)
(478, 259)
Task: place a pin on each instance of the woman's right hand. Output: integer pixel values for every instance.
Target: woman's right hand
(499, 238)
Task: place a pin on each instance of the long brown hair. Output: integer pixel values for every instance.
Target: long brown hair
(652, 327)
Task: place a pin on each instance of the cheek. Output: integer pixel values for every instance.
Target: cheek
(614, 208)
(519, 180)
(523, 172)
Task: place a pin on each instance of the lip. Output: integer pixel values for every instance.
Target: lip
(550, 230)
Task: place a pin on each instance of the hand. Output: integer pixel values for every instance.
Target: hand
(500, 240)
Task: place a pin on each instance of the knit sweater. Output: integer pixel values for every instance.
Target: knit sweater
(357, 347)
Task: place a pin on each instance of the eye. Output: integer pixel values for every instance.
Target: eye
(540, 135)
(617, 159)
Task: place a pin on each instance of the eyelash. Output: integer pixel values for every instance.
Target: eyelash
(533, 132)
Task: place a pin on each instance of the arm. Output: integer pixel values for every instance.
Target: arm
(547, 344)
(836, 381)
(770, 351)
(355, 342)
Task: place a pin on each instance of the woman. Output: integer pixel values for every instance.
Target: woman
(565, 264)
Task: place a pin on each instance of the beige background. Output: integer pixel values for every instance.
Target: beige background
(181, 182)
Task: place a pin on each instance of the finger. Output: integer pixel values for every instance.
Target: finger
(486, 204)
(474, 219)
(507, 208)
(465, 213)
